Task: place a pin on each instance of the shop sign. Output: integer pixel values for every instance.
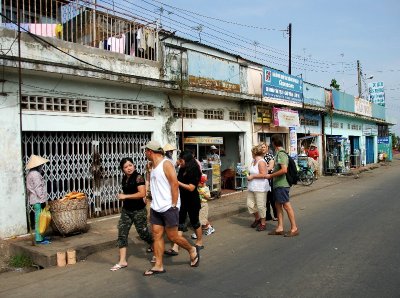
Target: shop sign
(285, 118)
(277, 84)
(370, 130)
(383, 140)
(362, 107)
(204, 140)
(376, 92)
(263, 115)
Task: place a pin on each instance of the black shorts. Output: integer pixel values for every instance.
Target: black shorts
(169, 218)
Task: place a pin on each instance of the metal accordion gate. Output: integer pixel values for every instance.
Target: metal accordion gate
(87, 162)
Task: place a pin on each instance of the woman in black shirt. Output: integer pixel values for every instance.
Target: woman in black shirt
(133, 210)
(188, 178)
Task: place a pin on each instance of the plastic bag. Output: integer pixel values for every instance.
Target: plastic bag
(44, 220)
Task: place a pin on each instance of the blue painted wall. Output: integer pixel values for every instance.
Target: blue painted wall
(207, 66)
(343, 101)
(378, 111)
(314, 95)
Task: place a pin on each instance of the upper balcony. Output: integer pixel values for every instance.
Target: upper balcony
(84, 23)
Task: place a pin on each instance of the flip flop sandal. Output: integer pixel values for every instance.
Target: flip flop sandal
(151, 272)
(196, 260)
(171, 252)
(276, 233)
(117, 267)
(149, 249)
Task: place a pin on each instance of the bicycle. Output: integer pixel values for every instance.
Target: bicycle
(305, 173)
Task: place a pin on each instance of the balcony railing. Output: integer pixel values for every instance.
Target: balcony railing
(84, 23)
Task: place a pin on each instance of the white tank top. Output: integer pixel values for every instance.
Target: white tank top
(257, 184)
(161, 190)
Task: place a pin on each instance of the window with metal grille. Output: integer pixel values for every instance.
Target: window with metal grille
(185, 113)
(308, 122)
(214, 114)
(128, 109)
(53, 104)
(238, 116)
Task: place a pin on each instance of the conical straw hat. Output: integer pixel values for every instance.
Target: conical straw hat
(168, 147)
(35, 161)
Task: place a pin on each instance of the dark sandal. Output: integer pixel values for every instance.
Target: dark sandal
(261, 227)
(149, 249)
(171, 252)
(255, 223)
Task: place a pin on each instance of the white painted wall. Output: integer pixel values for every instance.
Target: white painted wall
(12, 199)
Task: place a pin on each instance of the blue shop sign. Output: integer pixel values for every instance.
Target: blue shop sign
(277, 84)
(383, 140)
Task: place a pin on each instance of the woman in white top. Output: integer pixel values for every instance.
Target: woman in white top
(257, 187)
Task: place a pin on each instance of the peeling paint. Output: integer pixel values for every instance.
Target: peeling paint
(213, 84)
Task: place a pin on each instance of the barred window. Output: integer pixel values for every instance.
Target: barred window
(128, 109)
(53, 104)
(238, 116)
(308, 122)
(214, 114)
(187, 113)
(354, 127)
(335, 124)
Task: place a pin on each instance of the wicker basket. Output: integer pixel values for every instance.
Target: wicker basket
(69, 216)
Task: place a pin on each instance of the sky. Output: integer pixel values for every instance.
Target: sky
(328, 37)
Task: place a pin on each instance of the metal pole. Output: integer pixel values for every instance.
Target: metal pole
(359, 78)
(290, 48)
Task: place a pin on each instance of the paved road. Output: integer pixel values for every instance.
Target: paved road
(349, 246)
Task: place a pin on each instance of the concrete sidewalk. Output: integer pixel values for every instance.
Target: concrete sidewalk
(103, 231)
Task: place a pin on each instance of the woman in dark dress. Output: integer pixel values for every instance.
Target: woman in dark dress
(188, 178)
(133, 210)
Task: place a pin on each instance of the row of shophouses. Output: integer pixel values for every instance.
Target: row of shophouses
(88, 88)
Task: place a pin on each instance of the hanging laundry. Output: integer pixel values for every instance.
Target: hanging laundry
(117, 44)
(141, 39)
(48, 30)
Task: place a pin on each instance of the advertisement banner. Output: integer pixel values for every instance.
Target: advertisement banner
(277, 84)
(285, 118)
(293, 142)
(376, 92)
(362, 107)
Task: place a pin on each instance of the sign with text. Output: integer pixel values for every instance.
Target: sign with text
(285, 118)
(277, 84)
(204, 140)
(263, 115)
(370, 130)
(376, 92)
(362, 107)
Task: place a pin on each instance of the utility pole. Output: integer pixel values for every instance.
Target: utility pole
(290, 48)
(359, 78)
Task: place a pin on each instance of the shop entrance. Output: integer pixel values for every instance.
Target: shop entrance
(369, 146)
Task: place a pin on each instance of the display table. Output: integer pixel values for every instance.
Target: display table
(240, 182)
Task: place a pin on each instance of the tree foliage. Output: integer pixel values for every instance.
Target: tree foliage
(334, 84)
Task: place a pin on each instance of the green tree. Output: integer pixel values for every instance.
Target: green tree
(334, 84)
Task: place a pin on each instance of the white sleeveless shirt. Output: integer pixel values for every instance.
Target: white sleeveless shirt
(257, 184)
(161, 189)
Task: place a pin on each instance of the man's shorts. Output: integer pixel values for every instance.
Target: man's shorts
(281, 194)
(169, 218)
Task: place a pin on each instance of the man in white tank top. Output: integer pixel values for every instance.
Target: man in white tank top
(165, 204)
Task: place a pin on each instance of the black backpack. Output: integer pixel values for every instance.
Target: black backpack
(291, 175)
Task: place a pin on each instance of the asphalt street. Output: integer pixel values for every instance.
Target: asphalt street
(348, 247)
